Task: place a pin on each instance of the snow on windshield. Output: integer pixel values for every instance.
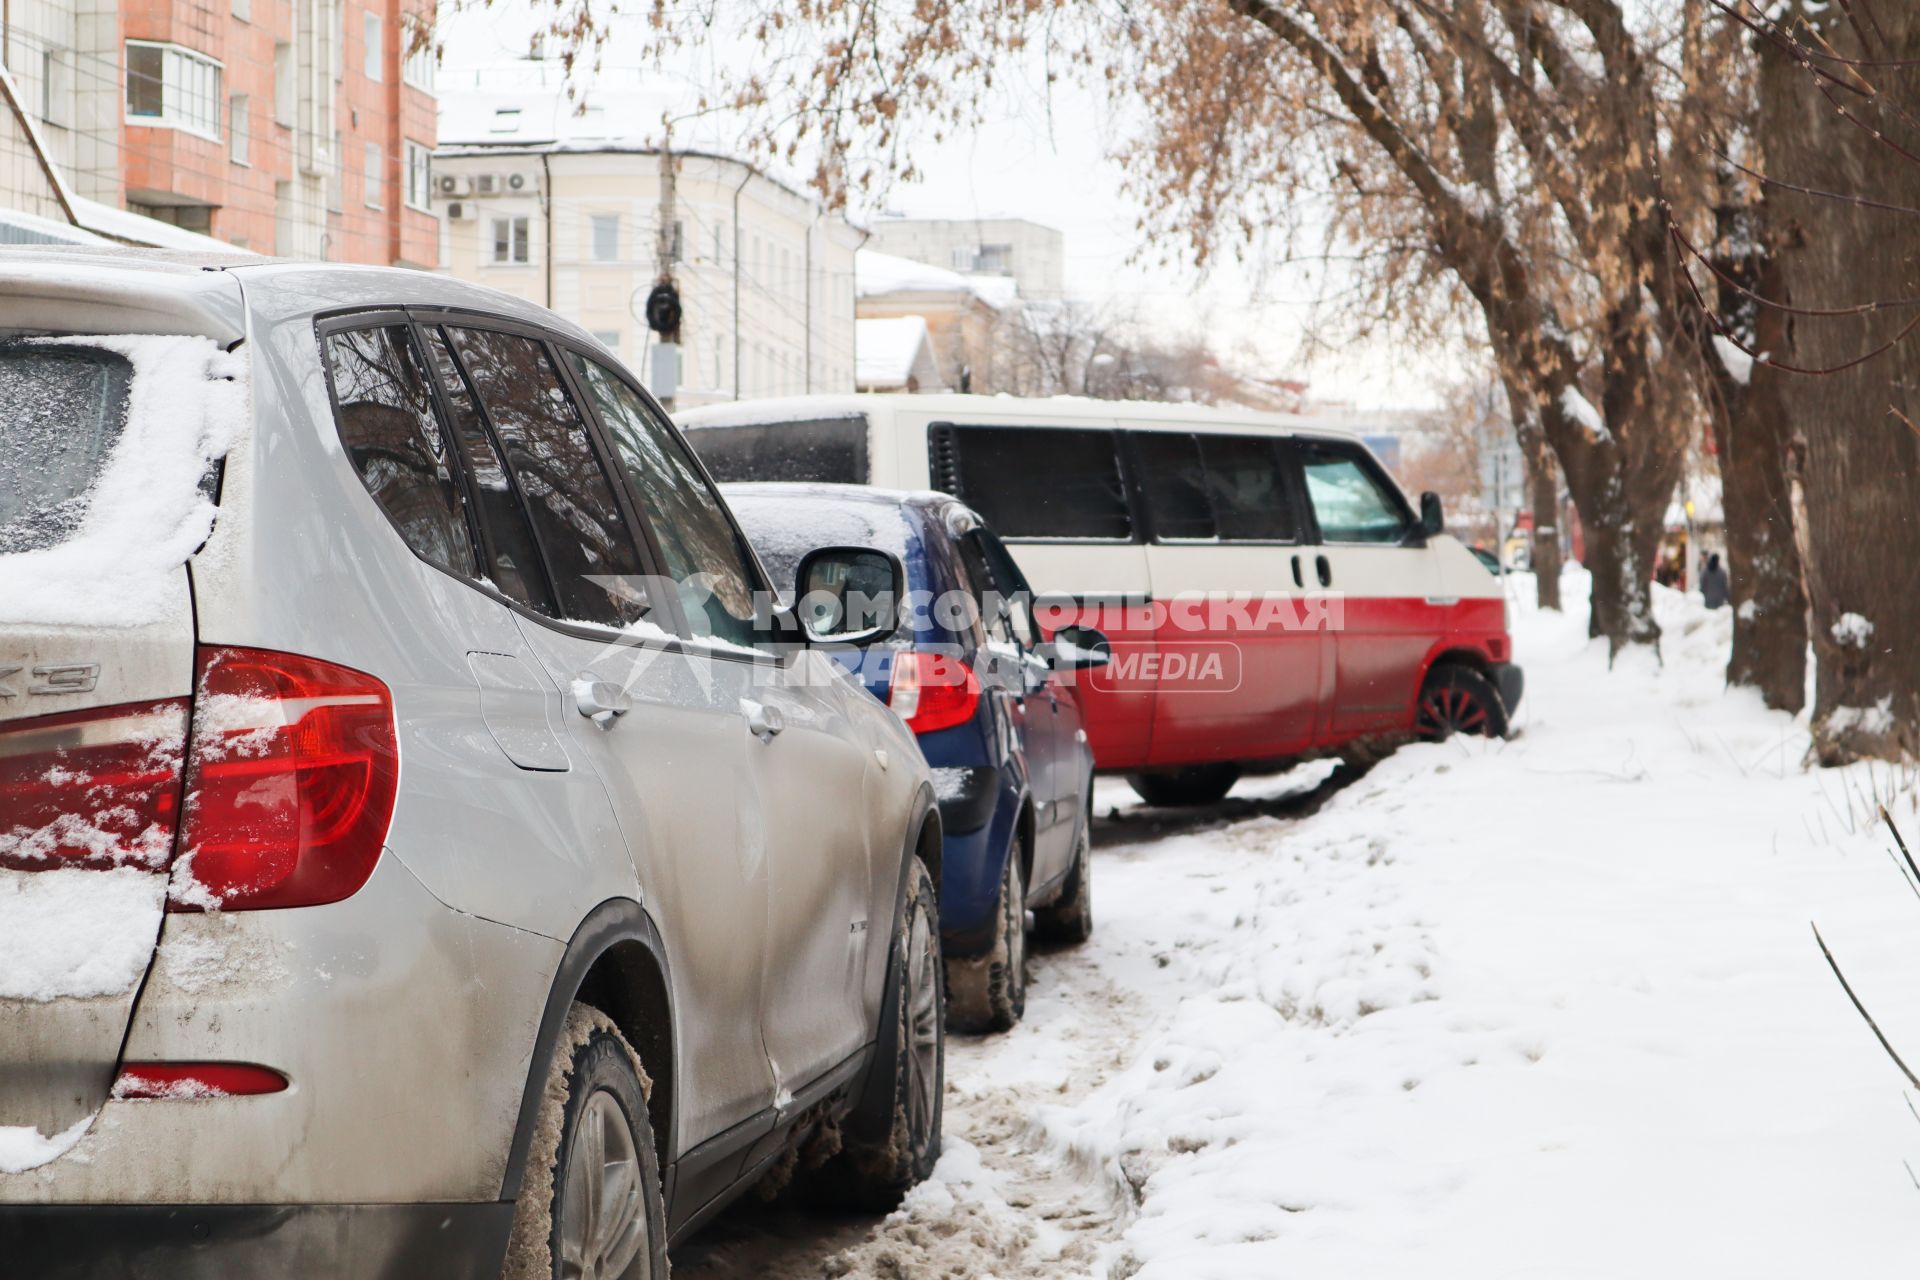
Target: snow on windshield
(105, 445)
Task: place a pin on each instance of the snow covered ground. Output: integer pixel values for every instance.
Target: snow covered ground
(1543, 1008)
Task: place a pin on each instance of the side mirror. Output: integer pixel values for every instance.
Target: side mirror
(1076, 648)
(849, 595)
(1432, 522)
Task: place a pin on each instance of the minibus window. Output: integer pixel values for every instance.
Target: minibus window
(1249, 495)
(1037, 482)
(821, 451)
(1175, 484)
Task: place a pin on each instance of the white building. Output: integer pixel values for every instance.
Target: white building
(564, 209)
(1034, 256)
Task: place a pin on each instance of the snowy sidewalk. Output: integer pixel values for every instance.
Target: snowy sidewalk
(1544, 1008)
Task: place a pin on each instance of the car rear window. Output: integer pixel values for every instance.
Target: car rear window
(817, 450)
(1044, 483)
(62, 412)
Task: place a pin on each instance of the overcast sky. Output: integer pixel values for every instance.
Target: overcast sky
(1049, 157)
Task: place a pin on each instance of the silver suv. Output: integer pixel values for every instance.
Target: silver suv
(422, 849)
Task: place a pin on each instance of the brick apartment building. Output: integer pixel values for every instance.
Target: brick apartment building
(293, 127)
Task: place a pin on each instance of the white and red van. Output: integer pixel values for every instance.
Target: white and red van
(1266, 588)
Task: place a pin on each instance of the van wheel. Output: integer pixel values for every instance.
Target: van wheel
(1195, 784)
(872, 1172)
(590, 1205)
(1460, 700)
(1068, 919)
(989, 992)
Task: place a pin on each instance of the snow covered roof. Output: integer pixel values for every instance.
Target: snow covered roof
(136, 228)
(880, 275)
(25, 228)
(893, 355)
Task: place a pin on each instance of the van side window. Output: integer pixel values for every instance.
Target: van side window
(827, 450)
(508, 553)
(1036, 482)
(1248, 489)
(703, 554)
(1348, 501)
(387, 422)
(1175, 486)
(591, 552)
(1204, 487)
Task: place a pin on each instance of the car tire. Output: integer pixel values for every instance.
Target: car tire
(1458, 699)
(592, 1148)
(1068, 919)
(988, 993)
(1179, 788)
(872, 1171)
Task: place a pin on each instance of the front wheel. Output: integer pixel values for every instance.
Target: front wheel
(989, 992)
(1068, 919)
(590, 1205)
(874, 1170)
(1460, 700)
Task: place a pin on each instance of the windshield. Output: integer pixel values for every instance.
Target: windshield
(62, 411)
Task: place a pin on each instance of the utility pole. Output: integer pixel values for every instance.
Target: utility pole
(663, 304)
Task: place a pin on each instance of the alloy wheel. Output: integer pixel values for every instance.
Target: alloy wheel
(603, 1217)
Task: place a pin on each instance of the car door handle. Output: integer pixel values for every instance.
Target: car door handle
(601, 701)
(1299, 581)
(1324, 569)
(763, 721)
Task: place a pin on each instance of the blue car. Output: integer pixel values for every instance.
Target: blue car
(992, 705)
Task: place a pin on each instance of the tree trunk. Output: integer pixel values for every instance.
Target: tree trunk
(1543, 496)
(1750, 432)
(1856, 452)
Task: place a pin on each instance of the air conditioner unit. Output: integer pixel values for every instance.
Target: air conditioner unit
(455, 184)
(486, 184)
(462, 212)
(516, 182)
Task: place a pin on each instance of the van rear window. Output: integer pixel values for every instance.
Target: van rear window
(62, 411)
(1035, 482)
(815, 450)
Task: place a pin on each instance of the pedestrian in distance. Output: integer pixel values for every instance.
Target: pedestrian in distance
(1713, 583)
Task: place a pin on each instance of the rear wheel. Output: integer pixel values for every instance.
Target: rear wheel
(989, 992)
(1177, 788)
(1460, 700)
(1069, 918)
(874, 1170)
(590, 1206)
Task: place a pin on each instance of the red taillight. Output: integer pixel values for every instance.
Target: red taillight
(93, 788)
(291, 778)
(931, 691)
(147, 1080)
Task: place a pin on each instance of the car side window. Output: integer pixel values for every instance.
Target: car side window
(1174, 482)
(703, 553)
(999, 574)
(596, 568)
(1247, 488)
(387, 421)
(1348, 500)
(509, 556)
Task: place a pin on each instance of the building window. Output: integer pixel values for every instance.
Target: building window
(418, 68)
(419, 177)
(376, 161)
(239, 129)
(283, 99)
(376, 51)
(505, 120)
(56, 87)
(171, 87)
(606, 237)
(608, 338)
(510, 240)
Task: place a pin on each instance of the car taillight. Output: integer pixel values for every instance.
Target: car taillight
(94, 789)
(931, 691)
(292, 772)
(149, 1080)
